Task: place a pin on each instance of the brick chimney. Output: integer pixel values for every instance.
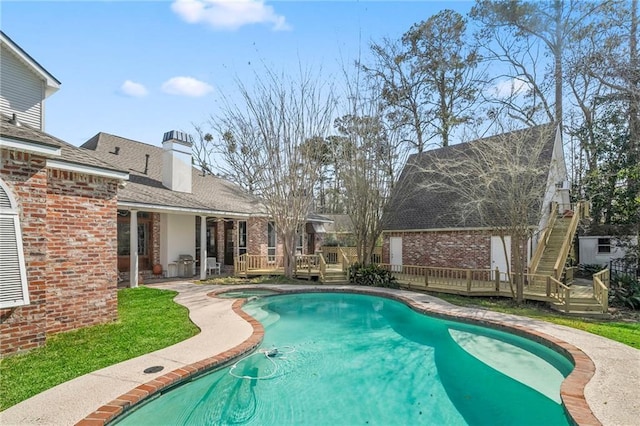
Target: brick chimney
(176, 161)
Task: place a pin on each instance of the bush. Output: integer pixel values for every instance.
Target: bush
(372, 275)
(587, 270)
(624, 290)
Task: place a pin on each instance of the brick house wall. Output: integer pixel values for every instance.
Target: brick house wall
(81, 250)
(446, 249)
(69, 235)
(465, 249)
(24, 327)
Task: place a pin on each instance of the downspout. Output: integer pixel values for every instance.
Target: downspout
(203, 247)
(133, 249)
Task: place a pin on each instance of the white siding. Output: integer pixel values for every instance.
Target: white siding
(21, 91)
(557, 174)
(177, 236)
(588, 250)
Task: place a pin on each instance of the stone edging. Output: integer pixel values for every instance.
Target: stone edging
(115, 408)
(571, 390)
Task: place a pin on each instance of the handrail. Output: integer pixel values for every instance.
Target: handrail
(323, 267)
(240, 264)
(601, 288)
(560, 292)
(544, 238)
(345, 261)
(566, 244)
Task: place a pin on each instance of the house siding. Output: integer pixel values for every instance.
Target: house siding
(24, 327)
(82, 250)
(69, 233)
(444, 249)
(21, 91)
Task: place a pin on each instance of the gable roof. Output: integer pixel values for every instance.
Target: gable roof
(60, 153)
(412, 207)
(52, 83)
(210, 194)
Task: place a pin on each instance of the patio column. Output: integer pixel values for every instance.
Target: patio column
(133, 249)
(203, 247)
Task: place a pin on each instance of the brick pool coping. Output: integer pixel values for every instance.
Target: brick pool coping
(571, 390)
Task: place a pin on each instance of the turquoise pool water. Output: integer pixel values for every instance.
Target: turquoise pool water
(246, 293)
(346, 359)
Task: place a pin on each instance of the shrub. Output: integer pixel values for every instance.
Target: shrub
(587, 270)
(624, 290)
(372, 275)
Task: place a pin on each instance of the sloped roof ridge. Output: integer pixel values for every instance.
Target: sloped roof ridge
(466, 144)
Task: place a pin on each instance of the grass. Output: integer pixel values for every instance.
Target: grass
(623, 332)
(148, 320)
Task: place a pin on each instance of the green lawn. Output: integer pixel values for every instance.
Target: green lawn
(148, 320)
(624, 332)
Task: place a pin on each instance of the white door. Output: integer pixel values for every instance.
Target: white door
(498, 258)
(395, 253)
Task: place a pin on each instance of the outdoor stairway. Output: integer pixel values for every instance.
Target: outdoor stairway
(582, 306)
(334, 277)
(552, 250)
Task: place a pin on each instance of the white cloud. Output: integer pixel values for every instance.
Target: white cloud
(186, 86)
(133, 89)
(511, 87)
(229, 14)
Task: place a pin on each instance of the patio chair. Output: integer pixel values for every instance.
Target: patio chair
(213, 265)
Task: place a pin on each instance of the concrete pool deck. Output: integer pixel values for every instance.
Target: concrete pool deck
(611, 394)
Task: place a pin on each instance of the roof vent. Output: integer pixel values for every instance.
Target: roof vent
(14, 120)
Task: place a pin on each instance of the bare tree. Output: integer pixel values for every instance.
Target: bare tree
(514, 28)
(370, 157)
(265, 141)
(428, 80)
(499, 183)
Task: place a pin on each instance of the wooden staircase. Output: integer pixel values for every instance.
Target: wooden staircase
(559, 233)
(551, 262)
(582, 307)
(334, 277)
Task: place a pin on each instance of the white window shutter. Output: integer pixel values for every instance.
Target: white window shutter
(13, 276)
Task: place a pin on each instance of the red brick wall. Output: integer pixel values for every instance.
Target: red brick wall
(81, 250)
(450, 249)
(24, 327)
(69, 238)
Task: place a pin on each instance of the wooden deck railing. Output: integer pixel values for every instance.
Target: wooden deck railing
(333, 255)
(307, 262)
(601, 288)
(253, 262)
(566, 244)
(323, 267)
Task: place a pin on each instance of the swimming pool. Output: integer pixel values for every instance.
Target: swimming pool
(359, 359)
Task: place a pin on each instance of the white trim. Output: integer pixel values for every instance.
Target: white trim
(154, 208)
(89, 170)
(493, 228)
(13, 213)
(52, 83)
(32, 147)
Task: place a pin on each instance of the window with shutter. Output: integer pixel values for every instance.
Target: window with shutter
(13, 275)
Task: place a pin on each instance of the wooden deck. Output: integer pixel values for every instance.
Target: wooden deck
(466, 282)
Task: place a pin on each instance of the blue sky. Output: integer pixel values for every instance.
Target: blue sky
(138, 69)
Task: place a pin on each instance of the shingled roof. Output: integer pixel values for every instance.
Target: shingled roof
(68, 153)
(413, 207)
(210, 194)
